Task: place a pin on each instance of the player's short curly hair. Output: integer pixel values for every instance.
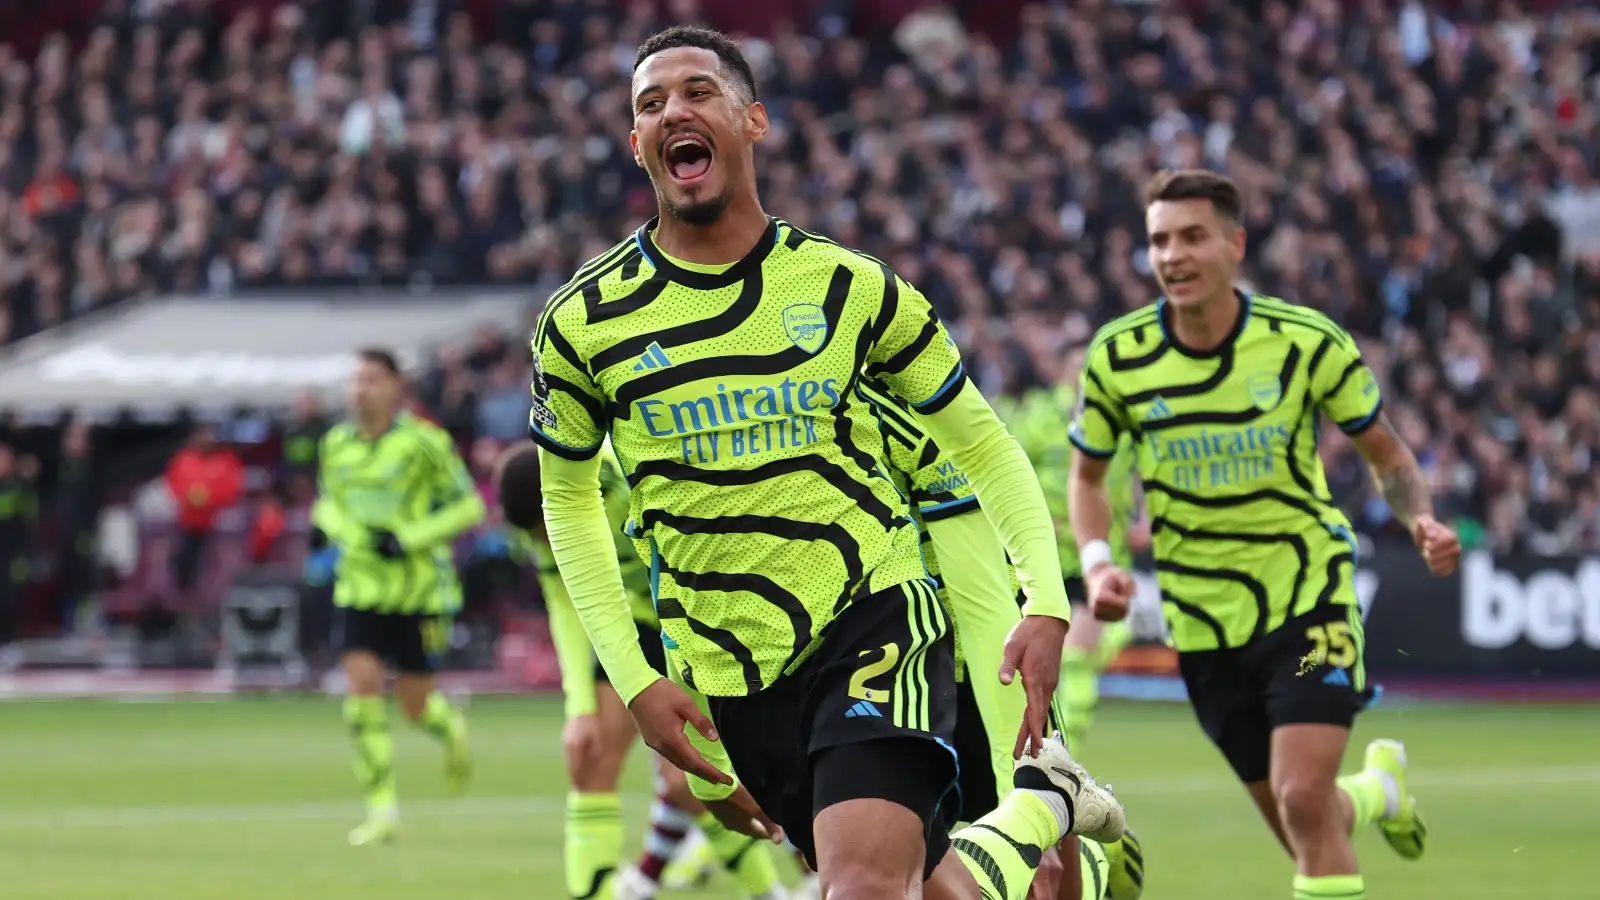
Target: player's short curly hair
(517, 486)
(736, 68)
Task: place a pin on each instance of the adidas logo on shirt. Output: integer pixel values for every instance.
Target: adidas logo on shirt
(653, 357)
(1158, 410)
(863, 708)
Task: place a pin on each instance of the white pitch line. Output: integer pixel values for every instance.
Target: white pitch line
(208, 814)
(1446, 779)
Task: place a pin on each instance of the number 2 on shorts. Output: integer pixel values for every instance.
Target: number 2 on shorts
(870, 670)
(1334, 645)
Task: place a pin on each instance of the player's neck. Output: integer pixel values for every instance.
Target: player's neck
(375, 426)
(1205, 326)
(727, 240)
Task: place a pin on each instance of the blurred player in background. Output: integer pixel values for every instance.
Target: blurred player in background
(1036, 419)
(1224, 392)
(599, 733)
(717, 347)
(392, 495)
(979, 588)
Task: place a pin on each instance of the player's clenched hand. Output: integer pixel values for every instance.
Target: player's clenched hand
(1440, 547)
(386, 544)
(740, 812)
(581, 738)
(1110, 592)
(1033, 649)
(662, 711)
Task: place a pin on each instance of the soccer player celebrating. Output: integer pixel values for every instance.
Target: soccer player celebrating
(598, 732)
(1223, 391)
(719, 348)
(1091, 645)
(392, 495)
(978, 586)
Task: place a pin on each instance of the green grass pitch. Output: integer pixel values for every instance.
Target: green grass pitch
(249, 799)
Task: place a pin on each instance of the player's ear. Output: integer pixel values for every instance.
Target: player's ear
(757, 121)
(1236, 243)
(633, 144)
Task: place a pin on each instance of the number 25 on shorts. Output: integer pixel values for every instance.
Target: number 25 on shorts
(1334, 645)
(872, 669)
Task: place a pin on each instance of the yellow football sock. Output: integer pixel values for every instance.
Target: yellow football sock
(440, 719)
(749, 860)
(1003, 848)
(1329, 887)
(1079, 694)
(593, 844)
(368, 719)
(1365, 790)
(1096, 869)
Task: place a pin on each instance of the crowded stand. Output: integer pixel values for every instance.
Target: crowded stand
(1425, 174)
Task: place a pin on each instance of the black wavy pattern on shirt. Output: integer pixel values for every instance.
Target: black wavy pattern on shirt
(743, 365)
(737, 313)
(783, 529)
(1231, 500)
(1291, 362)
(858, 491)
(762, 587)
(1295, 541)
(1225, 361)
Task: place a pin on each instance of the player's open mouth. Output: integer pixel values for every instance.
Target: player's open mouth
(688, 158)
(1174, 280)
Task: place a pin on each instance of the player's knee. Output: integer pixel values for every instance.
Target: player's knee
(1306, 805)
(865, 879)
(675, 790)
(363, 675)
(412, 707)
(596, 772)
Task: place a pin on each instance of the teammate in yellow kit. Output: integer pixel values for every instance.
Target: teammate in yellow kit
(599, 732)
(1038, 419)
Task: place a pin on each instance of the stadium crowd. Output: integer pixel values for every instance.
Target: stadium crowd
(1429, 179)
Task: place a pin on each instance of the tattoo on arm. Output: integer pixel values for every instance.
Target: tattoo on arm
(1407, 494)
(1401, 481)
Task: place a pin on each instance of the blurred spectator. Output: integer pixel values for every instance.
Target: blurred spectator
(303, 433)
(503, 407)
(204, 479)
(77, 502)
(18, 511)
(267, 529)
(1424, 173)
(489, 569)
